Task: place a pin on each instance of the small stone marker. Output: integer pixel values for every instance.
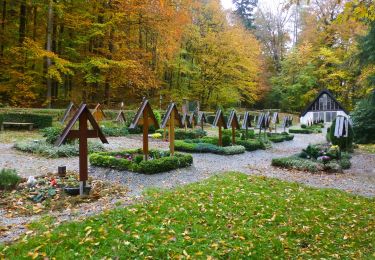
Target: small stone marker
(171, 118)
(82, 116)
(219, 121)
(144, 117)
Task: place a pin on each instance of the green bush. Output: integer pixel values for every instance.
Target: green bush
(160, 161)
(303, 126)
(250, 134)
(52, 133)
(181, 134)
(202, 147)
(9, 179)
(48, 150)
(363, 118)
(251, 145)
(345, 163)
(297, 163)
(110, 128)
(345, 143)
(39, 121)
(300, 131)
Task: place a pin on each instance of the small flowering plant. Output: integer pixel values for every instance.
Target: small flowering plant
(324, 159)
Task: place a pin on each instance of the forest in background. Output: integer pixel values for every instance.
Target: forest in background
(108, 51)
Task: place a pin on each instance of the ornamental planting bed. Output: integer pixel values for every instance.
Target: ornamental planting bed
(133, 160)
(316, 158)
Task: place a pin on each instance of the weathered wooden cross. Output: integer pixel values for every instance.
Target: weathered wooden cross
(171, 118)
(83, 133)
(234, 124)
(202, 119)
(246, 123)
(145, 117)
(98, 113)
(219, 122)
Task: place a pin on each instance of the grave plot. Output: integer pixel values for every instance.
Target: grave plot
(218, 145)
(117, 126)
(145, 160)
(325, 157)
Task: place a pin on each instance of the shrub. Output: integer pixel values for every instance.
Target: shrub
(345, 163)
(9, 179)
(181, 134)
(160, 161)
(251, 145)
(297, 163)
(39, 121)
(300, 131)
(363, 118)
(114, 130)
(196, 147)
(52, 134)
(48, 150)
(303, 126)
(345, 143)
(250, 134)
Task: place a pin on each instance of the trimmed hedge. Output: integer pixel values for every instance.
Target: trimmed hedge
(160, 161)
(251, 145)
(181, 134)
(308, 130)
(39, 121)
(202, 147)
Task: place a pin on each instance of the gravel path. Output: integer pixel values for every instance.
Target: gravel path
(360, 179)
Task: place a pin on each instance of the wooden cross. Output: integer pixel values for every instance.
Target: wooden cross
(145, 117)
(83, 133)
(202, 119)
(219, 121)
(234, 124)
(275, 120)
(171, 117)
(70, 110)
(246, 123)
(98, 113)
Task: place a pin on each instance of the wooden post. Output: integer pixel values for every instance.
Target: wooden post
(202, 124)
(83, 165)
(171, 132)
(233, 134)
(145, 134)
(220, 136)
(247, 130)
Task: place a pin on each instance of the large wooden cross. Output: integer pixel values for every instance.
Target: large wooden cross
(145, 117)
(220, 122)
(234, 124)
(82, 115)
(171, 118)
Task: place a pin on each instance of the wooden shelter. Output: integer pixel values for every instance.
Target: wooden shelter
(98, 113)
(145, 118)
(324, 107)
(82, 115)
(202, 119)
(219, 122)
(171, 119)
(233, 123)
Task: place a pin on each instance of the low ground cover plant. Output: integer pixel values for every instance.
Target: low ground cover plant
(133, 160)
(230, 216)
(9, 179)
(203, 147)
(316, 158)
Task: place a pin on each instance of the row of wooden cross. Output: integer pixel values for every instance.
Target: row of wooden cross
(145, 118)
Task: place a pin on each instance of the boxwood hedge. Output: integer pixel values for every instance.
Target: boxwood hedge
(181, 134)
(201, 147)
(160, 161)
(39, 121)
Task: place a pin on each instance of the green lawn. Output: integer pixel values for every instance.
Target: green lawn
(230, 216)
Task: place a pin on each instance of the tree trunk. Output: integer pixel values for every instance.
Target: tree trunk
(4, 13)
(49, 48)
(22, 28)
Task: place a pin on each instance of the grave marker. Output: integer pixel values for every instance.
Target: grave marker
(275, 120)
(145, 117)
(171, 118)
(234, 124)
(98, 113)
(193, 120)
(69, 112)
(246, 123)
(219, 121)
(202, 119)
(82, 115)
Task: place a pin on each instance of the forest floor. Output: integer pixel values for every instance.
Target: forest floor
(360, 179)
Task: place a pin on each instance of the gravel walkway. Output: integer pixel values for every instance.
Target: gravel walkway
(360, 179)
